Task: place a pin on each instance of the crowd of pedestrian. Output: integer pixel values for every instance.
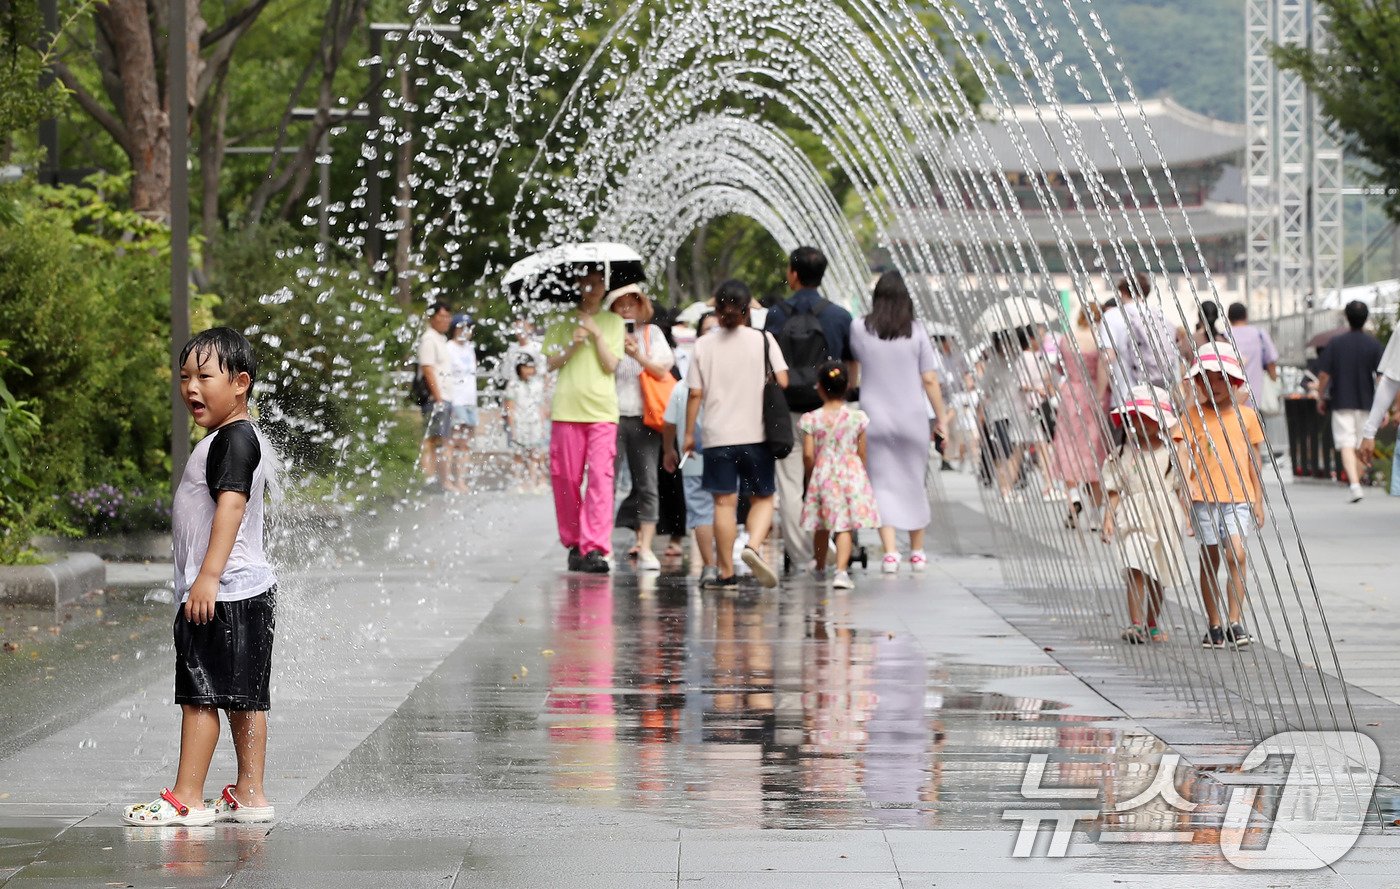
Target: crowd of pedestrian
(734, 421)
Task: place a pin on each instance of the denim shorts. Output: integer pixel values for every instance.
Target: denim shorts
(1216, 523)
(699, 503)
(729, 465)
(464, 415)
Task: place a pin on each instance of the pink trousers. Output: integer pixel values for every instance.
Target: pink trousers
(585, 515)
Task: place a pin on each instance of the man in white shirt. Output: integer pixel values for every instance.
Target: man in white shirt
(435, 367)
(1387, 388)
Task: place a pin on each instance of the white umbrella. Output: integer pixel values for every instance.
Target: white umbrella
(1015, 312)
(938, 328)
(551, 274)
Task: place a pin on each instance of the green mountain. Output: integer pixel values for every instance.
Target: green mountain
(1191, 50)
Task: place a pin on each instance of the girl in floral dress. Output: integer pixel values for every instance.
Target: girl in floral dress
(839, 498)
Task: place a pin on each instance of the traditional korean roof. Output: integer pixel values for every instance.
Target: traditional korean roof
(1024, 137)
(1209, 222)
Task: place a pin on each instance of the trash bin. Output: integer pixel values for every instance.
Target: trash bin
(1310, 448)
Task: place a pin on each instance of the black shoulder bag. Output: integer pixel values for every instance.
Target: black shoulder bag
(777, 420)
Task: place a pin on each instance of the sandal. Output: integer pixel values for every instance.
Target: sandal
(1157, 634)
(673, 549)
(1072, 519)
(167, 811)
(226, 808)
(1134, 635)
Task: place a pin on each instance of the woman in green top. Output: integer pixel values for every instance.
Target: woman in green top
(584, 349)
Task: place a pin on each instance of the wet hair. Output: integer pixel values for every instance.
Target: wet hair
(229, 348)
(810, 265)
(434, 308)
(1357, 313)
(1135, 286)
(833, 379)
(1238, 313)
(523, 361)
(891, 310)
(700, 322)
(1110, 303)
(732, 304)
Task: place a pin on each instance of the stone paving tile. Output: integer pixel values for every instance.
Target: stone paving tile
(98, 874)
(505, 879)
(790, 880)
(790, 852)
(984, 879)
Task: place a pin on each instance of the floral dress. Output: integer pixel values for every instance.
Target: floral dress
(839, 496)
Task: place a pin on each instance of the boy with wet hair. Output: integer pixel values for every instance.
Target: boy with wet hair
(224, 628)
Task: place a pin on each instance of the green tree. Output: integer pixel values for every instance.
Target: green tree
(22, 100)
(1357, 82)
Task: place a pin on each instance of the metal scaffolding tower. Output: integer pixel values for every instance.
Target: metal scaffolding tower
(1293, 167)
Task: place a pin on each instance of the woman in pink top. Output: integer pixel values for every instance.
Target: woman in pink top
(1080, 446)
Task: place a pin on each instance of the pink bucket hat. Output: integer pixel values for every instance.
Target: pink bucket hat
(1152, 402)
(1219, 358)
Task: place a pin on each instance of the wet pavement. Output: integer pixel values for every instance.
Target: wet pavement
(452, 711)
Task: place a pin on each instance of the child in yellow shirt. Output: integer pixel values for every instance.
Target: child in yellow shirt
(1222, 434)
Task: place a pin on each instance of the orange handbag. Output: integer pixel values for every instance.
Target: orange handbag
(655, 393)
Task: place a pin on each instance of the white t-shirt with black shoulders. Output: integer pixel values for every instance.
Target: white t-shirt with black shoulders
(228, 459)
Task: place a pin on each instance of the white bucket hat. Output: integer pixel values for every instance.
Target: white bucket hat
(1218, 358)
(1153, 402)
(615, 295)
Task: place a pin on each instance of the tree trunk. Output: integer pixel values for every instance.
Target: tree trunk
(403, 200)
(138, 92)
(699, 268)
(213, 116)
(673, 285)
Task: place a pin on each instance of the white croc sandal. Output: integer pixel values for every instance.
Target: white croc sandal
(918, 561)
(226, 808)
(167, 811)
(890, 563)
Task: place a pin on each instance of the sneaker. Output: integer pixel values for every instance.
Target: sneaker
(761, 572)
(708, 575)
(890, 564)
(647, 561)
(595, 563)
(1214, 638)
(918, 561)
(1237, 636)
(842, 581)
(575, 559)
(818, 574)
(1357, 494)
(723, 583)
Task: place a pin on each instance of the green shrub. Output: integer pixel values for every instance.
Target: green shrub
(83, 295)
(107, 509)
(327, 342)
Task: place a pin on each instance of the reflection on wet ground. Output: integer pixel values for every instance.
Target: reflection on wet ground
(782, 709)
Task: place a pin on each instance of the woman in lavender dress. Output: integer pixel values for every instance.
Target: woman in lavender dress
(897, 370)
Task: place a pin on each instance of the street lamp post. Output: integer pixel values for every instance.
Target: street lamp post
(177, 91)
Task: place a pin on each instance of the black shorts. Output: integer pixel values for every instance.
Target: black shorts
(227, 663)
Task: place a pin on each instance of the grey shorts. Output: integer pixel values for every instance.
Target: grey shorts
(1216, 523)
(699, 503)
(438, 416)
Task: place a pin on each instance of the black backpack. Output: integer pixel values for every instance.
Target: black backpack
(804, 347)
(418, 392)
